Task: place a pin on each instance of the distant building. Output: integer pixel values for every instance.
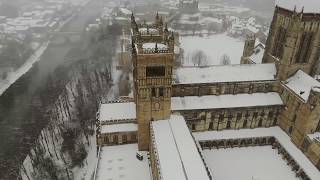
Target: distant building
(188, 6)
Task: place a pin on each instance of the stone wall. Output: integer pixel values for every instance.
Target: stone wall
(180, 90)
(233, 118)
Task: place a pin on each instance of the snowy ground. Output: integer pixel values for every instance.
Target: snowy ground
(120, 162)
(214, 46)
(252, 163)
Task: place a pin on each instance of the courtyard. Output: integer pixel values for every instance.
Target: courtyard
(249, 163)
(120, 162)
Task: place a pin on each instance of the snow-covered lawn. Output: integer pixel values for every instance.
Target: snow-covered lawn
(214, 46)
(120, 162)
(251, 163)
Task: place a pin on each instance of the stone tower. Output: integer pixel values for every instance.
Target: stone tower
(153, 59)
(293, 41)
(307, 121)
(248, 49)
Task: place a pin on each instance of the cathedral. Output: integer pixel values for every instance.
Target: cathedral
(278, 96)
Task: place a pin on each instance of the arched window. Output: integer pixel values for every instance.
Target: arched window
(134, 137)
(115, 139)
(106, 140)
(124, 138)
(260, 123)
(211, 125)
(228, 124)
(245, 122)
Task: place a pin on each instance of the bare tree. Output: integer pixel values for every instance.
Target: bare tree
(199, 58)
(225, 59)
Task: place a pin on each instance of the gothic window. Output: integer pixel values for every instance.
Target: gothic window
(210, 125)
(274, 122)
(239, 116)
(247, 114)
(153, 92)
(305, 48)
(279, 42)
(155, 71)
(228, 124)
(260, 123)
(124, 138)
(193, 127)
(161, 91)
(106, 140)
(245, 122)
(221, 117)
(133, 137)
(270, 115)
(115, 139)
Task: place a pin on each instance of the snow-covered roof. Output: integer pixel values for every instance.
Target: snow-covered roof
(308, 6)
(225, 101)
(160, 46)
(113, 128)
(117, 111)
(168, 155)
(177, 152)
(125, 11)
(229, 73)
(276, 132)
(120, 162)
(191, 159)
(301, 83)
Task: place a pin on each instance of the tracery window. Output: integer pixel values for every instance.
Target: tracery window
(305, 47)
(279, 42)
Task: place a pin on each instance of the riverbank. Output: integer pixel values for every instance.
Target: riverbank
(15, 75)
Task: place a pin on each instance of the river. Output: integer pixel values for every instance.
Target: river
(18, 125)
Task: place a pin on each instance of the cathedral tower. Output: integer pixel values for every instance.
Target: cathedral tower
(153, 59)
(293, 41)
(248, 49)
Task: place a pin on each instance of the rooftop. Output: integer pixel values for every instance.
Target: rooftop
(307, 6)
(276, 132)
(177, 152)
(113, 128)
(229, 73)
(117, 111)
(148, 31)
(120, 162)
(225, 101)
(160, 46)
(301, 83)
